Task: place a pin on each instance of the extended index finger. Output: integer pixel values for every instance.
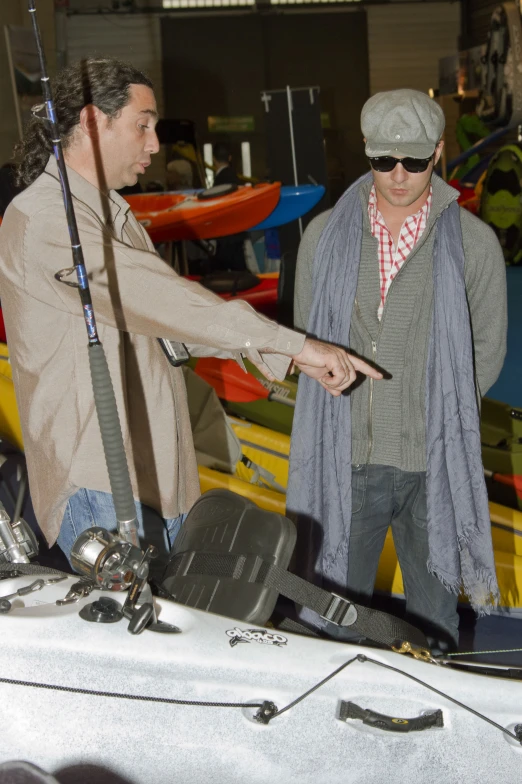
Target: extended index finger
(363, 367)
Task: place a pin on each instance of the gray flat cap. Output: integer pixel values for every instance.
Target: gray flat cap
(401, 122)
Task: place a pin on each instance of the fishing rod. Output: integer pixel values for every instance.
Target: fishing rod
(104, 397)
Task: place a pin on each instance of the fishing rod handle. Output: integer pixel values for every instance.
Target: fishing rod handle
(112, 438)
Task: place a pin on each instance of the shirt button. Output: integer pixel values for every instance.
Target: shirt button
(247, 343)
(390, 243)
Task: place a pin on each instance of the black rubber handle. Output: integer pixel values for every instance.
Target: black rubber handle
(349, 710)
(140, 618)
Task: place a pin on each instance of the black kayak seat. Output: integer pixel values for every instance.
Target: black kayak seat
(229, 282)
(216, 191)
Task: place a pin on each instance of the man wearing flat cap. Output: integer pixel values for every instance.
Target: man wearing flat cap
(408, 280)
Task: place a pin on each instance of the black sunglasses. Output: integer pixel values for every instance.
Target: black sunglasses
(386, 163)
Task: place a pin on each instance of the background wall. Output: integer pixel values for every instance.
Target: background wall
(220, 66)
(135, 38)
(406, 42)
(13, 12)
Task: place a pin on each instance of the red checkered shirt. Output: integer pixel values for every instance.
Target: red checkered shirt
(390, 258)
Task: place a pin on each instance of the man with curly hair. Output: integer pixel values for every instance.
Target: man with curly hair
(107, 116)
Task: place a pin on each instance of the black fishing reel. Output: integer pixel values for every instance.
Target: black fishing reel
(106, 559)
(114, 564)
(18, 542)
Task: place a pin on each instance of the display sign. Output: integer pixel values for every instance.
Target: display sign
(325, 120)
(239, 124)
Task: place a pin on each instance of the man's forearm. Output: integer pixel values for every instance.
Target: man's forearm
(153, 300)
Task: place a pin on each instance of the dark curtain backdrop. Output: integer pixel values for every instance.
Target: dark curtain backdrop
(220, 65)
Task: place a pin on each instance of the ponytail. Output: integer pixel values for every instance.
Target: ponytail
(33, 153)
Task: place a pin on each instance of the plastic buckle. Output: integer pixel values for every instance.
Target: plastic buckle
(340, 611)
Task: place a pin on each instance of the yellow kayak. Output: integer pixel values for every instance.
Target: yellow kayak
(264, 448)
(10, 429)
(262, 475)
(270, 449)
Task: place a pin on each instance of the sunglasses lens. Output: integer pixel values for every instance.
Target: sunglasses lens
(383, 164)
(412, 165)
(415, 165)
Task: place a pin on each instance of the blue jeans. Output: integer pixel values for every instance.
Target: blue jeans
(384, 496)
(92, 507)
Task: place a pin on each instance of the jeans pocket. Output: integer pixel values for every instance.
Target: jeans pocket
(419, 509)
(359, 482)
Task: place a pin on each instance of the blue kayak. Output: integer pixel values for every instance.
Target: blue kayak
(294, 201)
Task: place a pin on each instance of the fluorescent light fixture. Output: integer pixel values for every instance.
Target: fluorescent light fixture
(246, 163)
(310, 2)
(207, 157)
(176, 4)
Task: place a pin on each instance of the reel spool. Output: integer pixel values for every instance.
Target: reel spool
(110, 562)
(114, 564)
(18, 542)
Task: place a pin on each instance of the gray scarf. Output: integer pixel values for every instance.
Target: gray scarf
(319, 488)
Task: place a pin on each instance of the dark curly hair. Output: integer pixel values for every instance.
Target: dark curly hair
(103, 82)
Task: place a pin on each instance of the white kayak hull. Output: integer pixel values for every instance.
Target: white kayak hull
(143, 742)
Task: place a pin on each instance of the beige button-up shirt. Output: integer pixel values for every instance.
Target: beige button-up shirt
(137, 297)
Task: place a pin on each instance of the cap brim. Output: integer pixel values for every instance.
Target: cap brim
(378, 149)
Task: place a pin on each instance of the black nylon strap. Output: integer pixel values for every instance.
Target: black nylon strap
(377, 626)
(373, 624)
(288, 625)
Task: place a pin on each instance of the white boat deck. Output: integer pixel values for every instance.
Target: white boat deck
(143, 742)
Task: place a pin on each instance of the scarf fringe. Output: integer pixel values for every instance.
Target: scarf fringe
(490, 594)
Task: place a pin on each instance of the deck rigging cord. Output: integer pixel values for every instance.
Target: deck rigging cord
(480, 653)
(267, 710)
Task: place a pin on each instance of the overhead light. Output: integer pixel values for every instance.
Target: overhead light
(182, 4)
(308, 2)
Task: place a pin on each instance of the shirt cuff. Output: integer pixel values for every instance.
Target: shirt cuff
(278, 364)
(289, 342)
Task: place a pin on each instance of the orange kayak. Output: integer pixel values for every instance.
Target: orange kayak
(262, 295)
(181, 216)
